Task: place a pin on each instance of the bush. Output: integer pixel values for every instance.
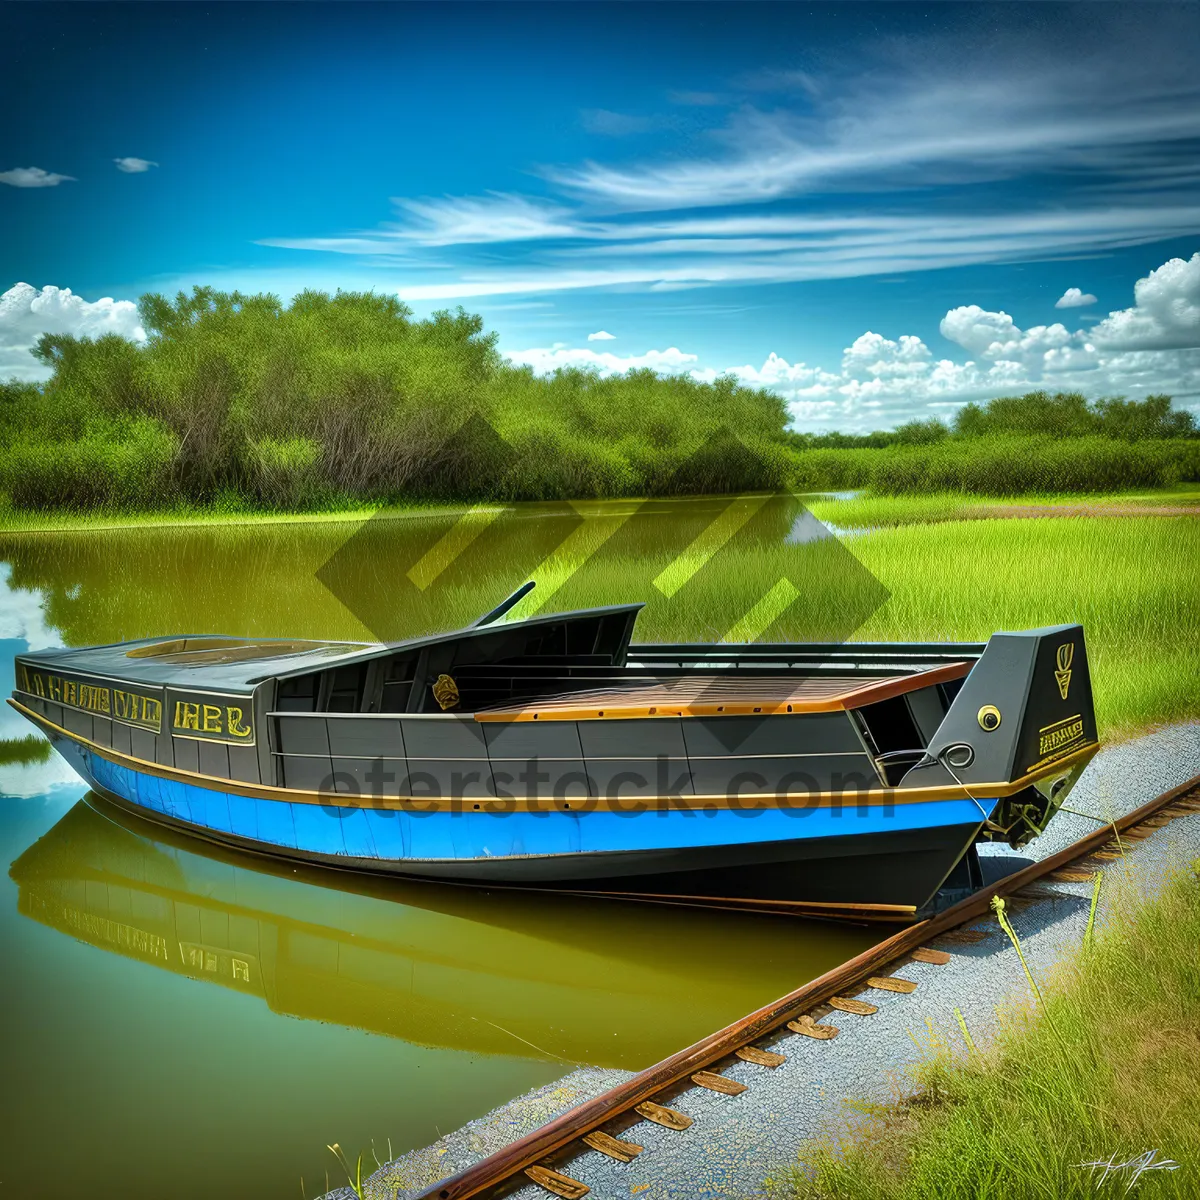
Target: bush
(240, 399)
(114, 468)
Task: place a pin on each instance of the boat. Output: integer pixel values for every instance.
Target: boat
(554, 752)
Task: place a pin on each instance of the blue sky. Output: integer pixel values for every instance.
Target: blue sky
(877, 209)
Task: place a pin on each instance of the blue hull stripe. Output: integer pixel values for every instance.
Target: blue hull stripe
(389, 836)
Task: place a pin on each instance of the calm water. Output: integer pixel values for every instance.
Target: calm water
(182, 1019)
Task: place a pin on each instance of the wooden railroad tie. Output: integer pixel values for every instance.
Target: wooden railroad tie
(666, 1117)
(718, 1083)
(848, 1004)
(1067, 875)
(762, 1058)
(809, 1028)
(927, 954)
(892, 983)
(557, 1184)
(615, 1148)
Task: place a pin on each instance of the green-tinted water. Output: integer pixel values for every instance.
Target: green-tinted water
(183, 1021)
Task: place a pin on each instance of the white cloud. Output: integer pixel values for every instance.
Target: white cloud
(27, 312)
(903, 123)
(743, 248)
(1074, 298)
(543, 360)
(134, 166)
(1165, 314)
(917, 141)
(33, 177)
(602, 335)
(884, 381)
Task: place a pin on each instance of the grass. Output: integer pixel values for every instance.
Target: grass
(1131, 582)
(867, 511)
(16, 520)
(1103, 1069)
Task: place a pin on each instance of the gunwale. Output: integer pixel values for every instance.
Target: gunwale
(422, 805)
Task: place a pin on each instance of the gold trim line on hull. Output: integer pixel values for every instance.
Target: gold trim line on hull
(744, 802)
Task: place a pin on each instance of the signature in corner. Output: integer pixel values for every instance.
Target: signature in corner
(1132, 1169)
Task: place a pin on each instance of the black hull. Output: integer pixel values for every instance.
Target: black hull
(903, 868)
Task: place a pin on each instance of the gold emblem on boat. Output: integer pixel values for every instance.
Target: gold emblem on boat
(445, 691)
(988, 717)
(1066, 653)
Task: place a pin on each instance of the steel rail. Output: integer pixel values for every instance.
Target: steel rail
(534, 1149)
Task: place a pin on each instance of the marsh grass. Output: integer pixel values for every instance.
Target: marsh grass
(866, 511)
(1131, 582)
(1106, 1066)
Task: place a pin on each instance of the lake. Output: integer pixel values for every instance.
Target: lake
(187, 1020)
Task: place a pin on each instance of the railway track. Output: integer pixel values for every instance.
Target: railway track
(606, 1122)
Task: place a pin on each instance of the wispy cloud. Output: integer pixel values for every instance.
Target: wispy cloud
(134, 166)
(602, 335)
(33, 177)
(933, 165)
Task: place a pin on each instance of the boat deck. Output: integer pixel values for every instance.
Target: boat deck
(723, 694)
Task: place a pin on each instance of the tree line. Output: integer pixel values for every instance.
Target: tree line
(241, 400)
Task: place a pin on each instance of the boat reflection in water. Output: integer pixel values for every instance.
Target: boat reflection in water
(602, 982)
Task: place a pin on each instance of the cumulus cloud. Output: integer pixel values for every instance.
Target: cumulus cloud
(134, 166)
(884, 381)
(1074, 298)
(995, 337)
(545, 360)
(33, 177)
(27, 312)
(602, 335)
(1165, 314)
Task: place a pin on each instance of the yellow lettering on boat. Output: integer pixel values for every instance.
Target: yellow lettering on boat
(1054, 738)
(233, 723)
(187, 716)
(212, 719)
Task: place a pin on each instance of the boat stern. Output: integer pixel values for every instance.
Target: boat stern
(1024, 715)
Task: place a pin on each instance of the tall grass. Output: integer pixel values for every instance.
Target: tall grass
(1131, 582)
(1105, 1068)
(1007, 465)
